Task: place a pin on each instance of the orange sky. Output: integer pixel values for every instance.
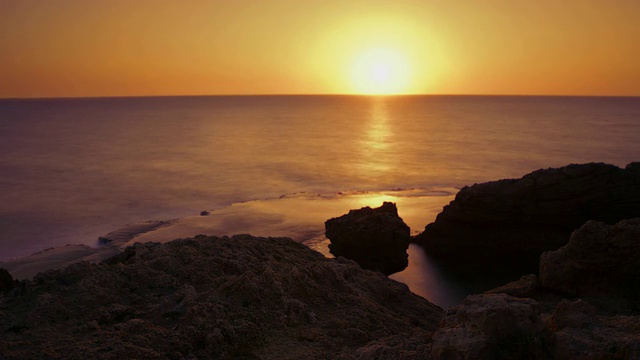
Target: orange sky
(53, 48)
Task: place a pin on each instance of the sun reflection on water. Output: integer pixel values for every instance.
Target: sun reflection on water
(376, 141)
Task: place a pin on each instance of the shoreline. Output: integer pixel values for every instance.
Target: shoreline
(299, 216)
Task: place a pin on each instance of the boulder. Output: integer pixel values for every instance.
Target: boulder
(377, 239)
(599, 260)
(514, 221)
(491, 326)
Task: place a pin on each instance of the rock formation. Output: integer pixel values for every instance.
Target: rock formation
(215, 298)
(491, 327)
(599, 259)
(577, 331)
(515, 221)
(500, 326)
(600, 263)
(377, 239)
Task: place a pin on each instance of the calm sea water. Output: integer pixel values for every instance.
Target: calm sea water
(74, 169)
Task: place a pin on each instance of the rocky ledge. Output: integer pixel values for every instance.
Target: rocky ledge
(513, 222)
(214, 298)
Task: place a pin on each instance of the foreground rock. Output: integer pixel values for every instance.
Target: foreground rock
(500, 326)
(515, 221)
(525, 287)
(600, 264)
(377, 239)
(214, 298)
(577, 331)
(599, 259)
(491, 327)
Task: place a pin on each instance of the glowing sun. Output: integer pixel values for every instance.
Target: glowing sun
(380, 71)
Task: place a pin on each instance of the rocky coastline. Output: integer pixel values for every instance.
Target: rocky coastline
(576, 229)
(512, 222)
(581, 306)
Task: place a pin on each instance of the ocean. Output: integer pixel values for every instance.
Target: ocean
(74, 169)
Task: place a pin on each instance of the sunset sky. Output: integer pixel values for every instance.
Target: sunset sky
(68, 48)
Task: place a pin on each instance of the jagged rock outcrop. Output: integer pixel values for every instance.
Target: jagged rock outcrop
(377, 239)
(214, 298)
(491, 326)
(599, 260)
(515, 221)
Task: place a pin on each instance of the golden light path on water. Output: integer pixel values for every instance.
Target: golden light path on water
(375, 143)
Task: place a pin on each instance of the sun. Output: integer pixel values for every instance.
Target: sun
(380, 71)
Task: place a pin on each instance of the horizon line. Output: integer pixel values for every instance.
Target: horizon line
(310, 94)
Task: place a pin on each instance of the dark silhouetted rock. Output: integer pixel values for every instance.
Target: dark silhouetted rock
(103, 240)
(214, 298)
(6, 280)
(599, 260)
(515, 221)
(377, 239)
(491, 326)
